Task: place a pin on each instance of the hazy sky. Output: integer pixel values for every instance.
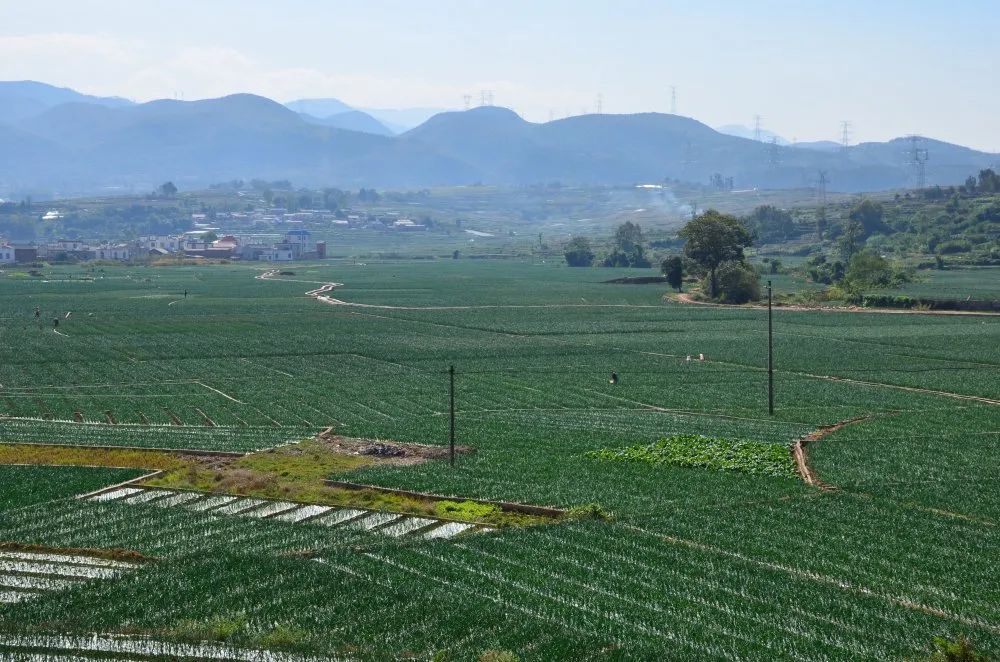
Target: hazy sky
(890, 67)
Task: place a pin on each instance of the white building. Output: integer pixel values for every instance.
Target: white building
(115, 252)
(277, 255)
(164, 242)
(69, 245)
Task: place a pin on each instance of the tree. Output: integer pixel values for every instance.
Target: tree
(989, 181)
(712, 239)
(869, 214)
(772, 224)
(167, 189)
(867, 269)
(630, 249)
(737, 282)
(578, 252)
(673, 269)
(852, 239)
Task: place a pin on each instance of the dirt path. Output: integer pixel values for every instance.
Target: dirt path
(912, 389)
(320, 294)
(685, 297)
(799, 450)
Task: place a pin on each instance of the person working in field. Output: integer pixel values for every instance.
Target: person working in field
(614, 378)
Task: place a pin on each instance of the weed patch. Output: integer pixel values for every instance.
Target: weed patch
(722, 454)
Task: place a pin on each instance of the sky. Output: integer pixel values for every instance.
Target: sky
(889, 67)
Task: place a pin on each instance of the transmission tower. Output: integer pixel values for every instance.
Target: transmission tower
(756, 129)
(673, 99)
(599, 103)
(821, 221)
(773, 153)
(486, 98)
(918, 161)
(467, 98)
(845, 134)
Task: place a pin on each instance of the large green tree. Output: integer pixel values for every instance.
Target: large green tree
(771, 224)
(578, 252)
(869, 214)
(673, 269)
(713, 238)
(630, 249)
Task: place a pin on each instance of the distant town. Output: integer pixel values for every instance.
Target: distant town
(226, 236)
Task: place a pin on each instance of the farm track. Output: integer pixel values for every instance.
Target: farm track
(685, 297)
(319, 295)
(799, 450)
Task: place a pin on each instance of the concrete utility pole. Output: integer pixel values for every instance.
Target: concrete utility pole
(451, 408)
(770, 355)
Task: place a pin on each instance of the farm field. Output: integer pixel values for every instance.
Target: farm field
(894, 545)
(981, 283)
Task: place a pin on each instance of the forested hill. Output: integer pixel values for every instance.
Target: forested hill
(74, 143)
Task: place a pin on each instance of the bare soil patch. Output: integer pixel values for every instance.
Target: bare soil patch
(387, 452)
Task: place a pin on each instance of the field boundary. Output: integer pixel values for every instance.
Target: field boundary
(507, 506)
(111, 488)
(802, 459)
(685, 298)
(147, 449)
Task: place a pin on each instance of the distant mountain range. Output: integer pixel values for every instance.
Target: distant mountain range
(741, 131)
(59, 141)
(380, 121)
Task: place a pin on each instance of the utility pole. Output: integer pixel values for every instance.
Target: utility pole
(451, 433)
(770, 355)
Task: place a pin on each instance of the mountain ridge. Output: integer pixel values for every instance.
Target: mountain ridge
(86, 145)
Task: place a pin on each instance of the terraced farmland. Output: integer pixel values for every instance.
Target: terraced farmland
(694, 561)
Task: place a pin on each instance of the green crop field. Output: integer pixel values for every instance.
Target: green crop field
(896, 545)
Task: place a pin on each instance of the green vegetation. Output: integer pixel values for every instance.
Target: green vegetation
(24, 486)
(579, 253)
(716, 242)
(693, 450)
(703, 563)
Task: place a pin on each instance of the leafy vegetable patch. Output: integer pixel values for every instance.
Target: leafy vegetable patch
(694, 450)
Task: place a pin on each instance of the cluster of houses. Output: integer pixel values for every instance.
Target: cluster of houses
(204, 243)
(241, 241)
(62, 250)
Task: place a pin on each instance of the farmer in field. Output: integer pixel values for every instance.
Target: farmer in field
(614, 378)
(185, 294)
(38, 312)
(55, 322)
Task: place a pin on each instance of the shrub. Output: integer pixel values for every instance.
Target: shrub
(957, 650)
(737, 283)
